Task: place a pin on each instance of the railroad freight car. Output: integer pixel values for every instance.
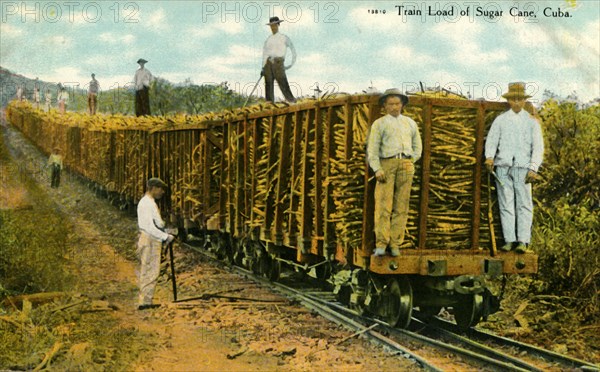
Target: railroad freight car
(277, 185)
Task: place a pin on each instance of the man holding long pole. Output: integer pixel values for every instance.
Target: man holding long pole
(274, 52)
(152, 236)
(515, 147)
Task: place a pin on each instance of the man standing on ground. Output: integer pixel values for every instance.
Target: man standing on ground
(152, 236)
(55, 162)
(93, 95)
(394, 144)
(515, 146)
(142, 80)
(274, 52)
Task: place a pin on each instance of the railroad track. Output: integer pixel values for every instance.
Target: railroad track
(466, 350)
(443, 326)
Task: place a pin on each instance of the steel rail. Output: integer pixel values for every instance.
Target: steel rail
(548, 355)
(339, 318)
(361, 324)
(484, 354)
(325, 311)
(481, 348)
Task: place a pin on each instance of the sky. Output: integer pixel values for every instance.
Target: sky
(343, 46)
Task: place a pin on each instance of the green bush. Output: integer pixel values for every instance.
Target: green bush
(567, 228)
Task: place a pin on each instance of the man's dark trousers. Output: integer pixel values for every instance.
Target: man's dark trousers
(274, 70)
(142, 102)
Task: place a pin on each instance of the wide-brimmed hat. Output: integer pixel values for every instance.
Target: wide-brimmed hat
(516, 90)
(274, 20)
(141, 60)
(393, 92)
(156, 182)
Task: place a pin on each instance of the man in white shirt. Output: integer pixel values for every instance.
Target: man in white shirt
(62, 98)
(36, 97)
(274, 52)
(48, 98)
(55, 162)
(152, 237)
(142, 80)
(20, 93)
(93, 89)
(394, 144)
(515, 146)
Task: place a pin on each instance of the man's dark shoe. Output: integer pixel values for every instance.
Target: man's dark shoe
(149, 306)
(522, 248)
(507, 247)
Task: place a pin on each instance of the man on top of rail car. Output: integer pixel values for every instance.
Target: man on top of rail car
(394, 145)
(93, 90)
(516, 147)
(150, 242)
(274, 52)
(142, 80)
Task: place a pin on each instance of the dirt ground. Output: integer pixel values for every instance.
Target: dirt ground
(215, 334)
(200, 335)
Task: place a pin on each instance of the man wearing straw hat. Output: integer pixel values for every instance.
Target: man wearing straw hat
(394, 144)
(142, 80)
(515, 146)
(274, 52)
(152, 236)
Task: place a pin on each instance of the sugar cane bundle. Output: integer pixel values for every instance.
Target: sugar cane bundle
(347, 174)
(261, 169)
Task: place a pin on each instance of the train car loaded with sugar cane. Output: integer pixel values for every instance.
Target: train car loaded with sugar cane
(277, 185)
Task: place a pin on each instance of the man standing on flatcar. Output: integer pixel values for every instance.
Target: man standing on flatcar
(93, 90)
(152, 236)
(273, 68)
(515, 146)
(142, 80)
(393, 146)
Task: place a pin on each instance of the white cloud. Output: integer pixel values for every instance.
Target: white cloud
(591, 40)
(465, 38)
(215, 28)
(405, 55)
(236, 55)
(156, 20)
(529, 35)
(67, 75)
(374, 24)
(58, 41)
(10, 31)
(114, 38)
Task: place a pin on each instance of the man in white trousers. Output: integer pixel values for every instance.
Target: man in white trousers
(152, 237)
(515, 146)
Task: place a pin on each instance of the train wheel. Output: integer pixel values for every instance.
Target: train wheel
(238, 253)
(222, 247)
(262, 264)
(356, 300)
(468, 311)
(274, 269)
(230, 251)
(323, 271)
(397, 301)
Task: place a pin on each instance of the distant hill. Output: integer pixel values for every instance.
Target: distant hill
(9, 81)
(165, 97)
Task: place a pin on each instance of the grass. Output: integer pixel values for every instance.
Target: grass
(35, 257)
